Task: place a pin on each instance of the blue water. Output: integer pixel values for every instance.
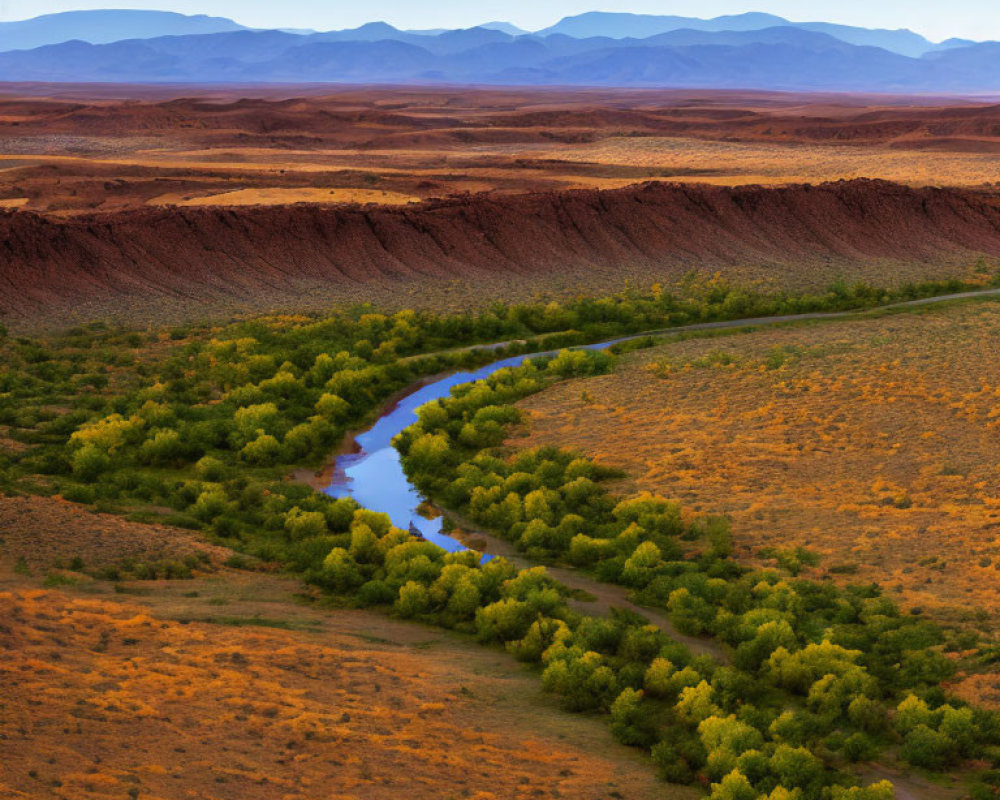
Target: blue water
(374, 476)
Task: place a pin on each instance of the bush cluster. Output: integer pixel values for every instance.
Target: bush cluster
(814, 672)
(206, 422)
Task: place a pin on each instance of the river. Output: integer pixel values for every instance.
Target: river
(371, 471)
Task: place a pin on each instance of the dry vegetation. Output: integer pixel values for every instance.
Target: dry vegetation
(69, 150)
(41, 533)
(259, 197)
(872, 442)
(229, 685)
(110, 155)
(734, 163)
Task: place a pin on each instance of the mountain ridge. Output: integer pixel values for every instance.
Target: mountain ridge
(625, 25)
(104, 26)
(723, 52)
(781, 58)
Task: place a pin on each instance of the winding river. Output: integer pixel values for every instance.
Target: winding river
(373, 474)
(371, 471)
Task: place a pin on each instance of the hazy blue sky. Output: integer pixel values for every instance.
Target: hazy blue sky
(976, 19)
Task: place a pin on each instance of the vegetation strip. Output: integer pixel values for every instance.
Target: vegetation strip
(198, 428)
(814, 670)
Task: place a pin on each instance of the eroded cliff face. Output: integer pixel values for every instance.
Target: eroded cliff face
(655, 230)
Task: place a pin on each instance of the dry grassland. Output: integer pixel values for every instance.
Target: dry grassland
(42, 532)
(738, 163)
(273, 196)
(232, 686)
(72, 150)
(872, 442)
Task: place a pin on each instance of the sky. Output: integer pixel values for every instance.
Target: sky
(973, 19)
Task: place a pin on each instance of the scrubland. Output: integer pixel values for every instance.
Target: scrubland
(734, 163)
(71, 150)
(238, 684)
(871, 441)
(810, 506)
(777, 683)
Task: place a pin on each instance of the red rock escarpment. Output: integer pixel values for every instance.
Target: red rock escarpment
(657, 228)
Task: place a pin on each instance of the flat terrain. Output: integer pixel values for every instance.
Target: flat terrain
(233, 685)
(871, 442)
(70, 150)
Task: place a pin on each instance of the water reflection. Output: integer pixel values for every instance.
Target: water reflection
(373, 475)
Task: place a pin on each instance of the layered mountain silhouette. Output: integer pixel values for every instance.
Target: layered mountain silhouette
(641, 26)
(599, 49)
(101, 27)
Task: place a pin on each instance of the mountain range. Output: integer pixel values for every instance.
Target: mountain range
(104, 26)
(601, 49)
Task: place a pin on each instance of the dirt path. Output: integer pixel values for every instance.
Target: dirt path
(606, 596)
(907, 786)
(753, 322)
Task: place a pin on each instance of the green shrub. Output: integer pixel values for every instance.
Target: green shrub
(734, 786)
(924, 747)
(859, 747)
(210, 469)
(79, 494)
(413, 600)
(301, 524)
(630, 721)
(89, 463)
(264, 451)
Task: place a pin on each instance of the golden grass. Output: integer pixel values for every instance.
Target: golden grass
(873, 442)
(15, 202)
(101, 696)
(737, 163)
(43, 532)
(271, 196)
(982, 690)
(229, 686)
(492, 166)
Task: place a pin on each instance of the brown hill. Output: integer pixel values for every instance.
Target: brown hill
(791, 236)
(324, 115)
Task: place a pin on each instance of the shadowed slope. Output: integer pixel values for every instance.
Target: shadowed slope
(798, 235)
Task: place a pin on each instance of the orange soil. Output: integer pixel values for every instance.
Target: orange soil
(256, 197)
(44, 532)
(71, 150)
(232, 685)
(97, 154)
(102, 696)
(874, 443)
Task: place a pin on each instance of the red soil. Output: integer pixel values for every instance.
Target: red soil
(399, 116)
(654, 231)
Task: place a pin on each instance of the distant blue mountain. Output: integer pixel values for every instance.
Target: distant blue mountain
(506, 27)
(971, 59)
(745, 52)
(642, 26)
(101, 27)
